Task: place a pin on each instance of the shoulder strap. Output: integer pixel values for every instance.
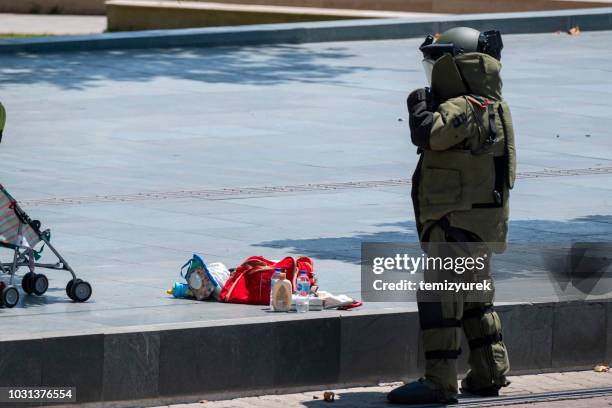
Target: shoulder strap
(188, 265)
(509, 149)
(492, 138)
(479, 105)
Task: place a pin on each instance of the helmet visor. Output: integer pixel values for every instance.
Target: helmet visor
(428, 65)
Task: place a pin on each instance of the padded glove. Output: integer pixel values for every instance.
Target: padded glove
(416, 96)
(421, 119)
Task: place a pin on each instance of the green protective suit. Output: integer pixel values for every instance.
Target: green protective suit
(460, 194)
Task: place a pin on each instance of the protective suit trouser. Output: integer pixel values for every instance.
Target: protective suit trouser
(443, 315)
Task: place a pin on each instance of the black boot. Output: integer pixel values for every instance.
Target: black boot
(419, 392)
(488, 391)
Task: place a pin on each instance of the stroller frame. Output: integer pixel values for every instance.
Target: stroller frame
(24, 255)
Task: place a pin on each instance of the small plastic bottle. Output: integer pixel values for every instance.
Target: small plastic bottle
(281, 294)
(302, 292)
(275, 277)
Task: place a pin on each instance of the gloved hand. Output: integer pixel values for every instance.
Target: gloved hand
(416, 97)
(421, 119)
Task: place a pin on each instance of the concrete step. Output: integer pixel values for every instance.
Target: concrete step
(284, 353)
(423, 6)
(55, 24)
(435, 6)
(126, 15)
(77, 7)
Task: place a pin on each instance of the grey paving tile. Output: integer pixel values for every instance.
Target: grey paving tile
(123, 122)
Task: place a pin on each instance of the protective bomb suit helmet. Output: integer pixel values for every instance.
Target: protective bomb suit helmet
(460, 40)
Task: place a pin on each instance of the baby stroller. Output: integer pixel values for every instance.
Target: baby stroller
(21, 235)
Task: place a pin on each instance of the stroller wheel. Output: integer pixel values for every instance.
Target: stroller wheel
(69, 288)
(40, 284)
(9, 296)
(26, 282)
(80, 290)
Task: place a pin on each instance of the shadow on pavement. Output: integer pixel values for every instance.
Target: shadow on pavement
(348, 249)
(53, 295)
(232, 65)
(351, 400)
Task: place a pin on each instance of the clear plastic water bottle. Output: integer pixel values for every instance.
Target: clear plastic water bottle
(302, 292)
(275, 277)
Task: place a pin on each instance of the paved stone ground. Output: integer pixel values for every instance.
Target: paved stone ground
(579, 403)
(86, 129)
(366, 397)
(50, 24)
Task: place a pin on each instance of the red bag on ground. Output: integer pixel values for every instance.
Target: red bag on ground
(250, 283)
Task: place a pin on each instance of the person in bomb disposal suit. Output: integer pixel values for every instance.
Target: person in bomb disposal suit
(463, 131)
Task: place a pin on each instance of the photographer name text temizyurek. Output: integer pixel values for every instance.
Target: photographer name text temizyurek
(406, 285)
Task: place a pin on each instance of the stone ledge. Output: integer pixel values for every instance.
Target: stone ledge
(347, 30)
(239, 358)
(129, 15)
(87, 7)
(436, 6)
